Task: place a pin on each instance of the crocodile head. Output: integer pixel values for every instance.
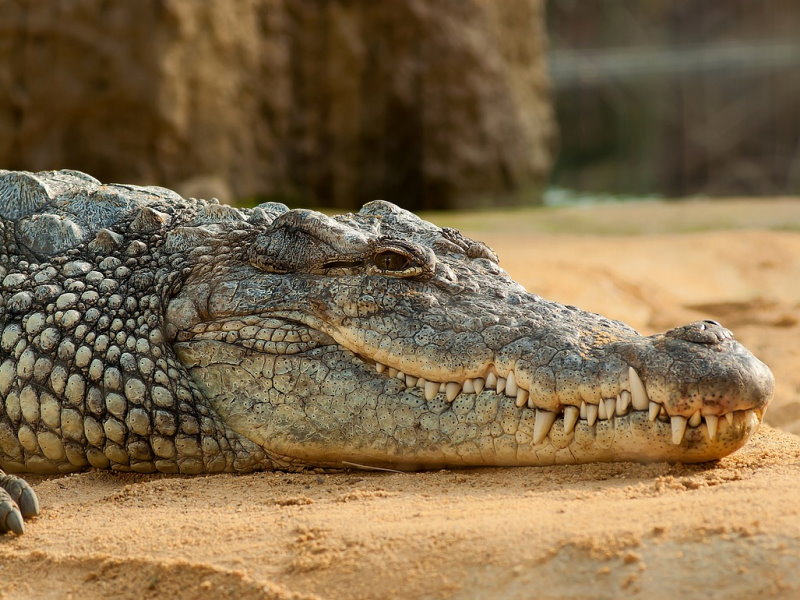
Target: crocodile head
(145, 331)
(379, 339)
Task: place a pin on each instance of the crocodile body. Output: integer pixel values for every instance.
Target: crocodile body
(141, 331)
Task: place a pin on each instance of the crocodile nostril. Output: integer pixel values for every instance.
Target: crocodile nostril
(701, 332)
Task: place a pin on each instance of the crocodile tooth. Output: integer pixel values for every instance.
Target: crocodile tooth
(478, 384)
(541, 427)
(601, 410)
(469, 386)
(491, 380)
(623, 401)
(421, 383)
(392, 372)
(431, 389)
(582, 410)
(591, 414)
(638, 393)
(611, 405)
(442, 387)
(523, 398)
(695, 419)
(711, 426)
(401, 376)
(511, 385)
(380, 368)
(452, 389)
(678, 424)
(501, 385)
(411, 381)
(653, 411)
(729, 418)
(571, 414)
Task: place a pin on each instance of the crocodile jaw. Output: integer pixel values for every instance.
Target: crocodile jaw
(343, 409)
(443, 360)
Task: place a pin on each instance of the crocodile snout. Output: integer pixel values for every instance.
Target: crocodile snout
(698, 372)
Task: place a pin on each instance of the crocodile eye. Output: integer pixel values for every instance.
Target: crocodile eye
(388, 260)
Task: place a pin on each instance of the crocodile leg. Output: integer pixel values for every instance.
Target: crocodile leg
(17, 501)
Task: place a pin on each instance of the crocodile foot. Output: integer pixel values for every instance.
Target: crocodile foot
(17, 501)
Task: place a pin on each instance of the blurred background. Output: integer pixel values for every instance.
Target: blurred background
(677, 97)
(429, 104)
(324, 103)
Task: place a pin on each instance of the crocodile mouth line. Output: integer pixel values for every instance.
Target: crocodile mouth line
(282, 337)
(633, 400)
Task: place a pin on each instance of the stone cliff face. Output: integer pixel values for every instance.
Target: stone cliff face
(426, 103)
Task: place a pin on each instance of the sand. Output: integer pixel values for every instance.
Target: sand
(729, 529)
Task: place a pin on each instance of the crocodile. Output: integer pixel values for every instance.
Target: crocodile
(143, 331)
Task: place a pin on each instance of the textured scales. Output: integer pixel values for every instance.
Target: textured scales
(141, 331)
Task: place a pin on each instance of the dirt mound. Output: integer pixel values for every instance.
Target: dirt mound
(39, 575)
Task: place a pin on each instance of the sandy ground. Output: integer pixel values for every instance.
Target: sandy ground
(724, 530)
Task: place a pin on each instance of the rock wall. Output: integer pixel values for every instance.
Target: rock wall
(428, 103)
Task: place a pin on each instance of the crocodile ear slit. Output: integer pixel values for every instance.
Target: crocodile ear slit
(343, 264)
(268, 267)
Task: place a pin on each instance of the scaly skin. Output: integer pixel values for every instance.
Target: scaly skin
(146, 332)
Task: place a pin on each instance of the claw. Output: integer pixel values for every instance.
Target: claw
(17, 500)
(21, 493)
(10, 517)
(13, 522)
(28, 503)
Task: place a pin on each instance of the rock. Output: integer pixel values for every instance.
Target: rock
(427, 104)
